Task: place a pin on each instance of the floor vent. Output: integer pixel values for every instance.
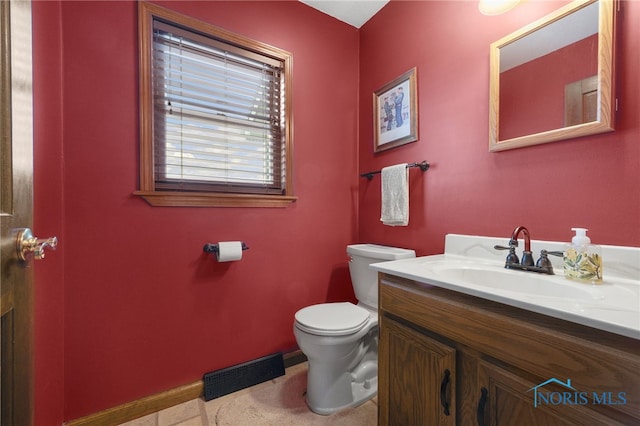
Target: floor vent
(222, 382)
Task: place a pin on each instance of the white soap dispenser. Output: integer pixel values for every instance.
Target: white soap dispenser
(583, 260)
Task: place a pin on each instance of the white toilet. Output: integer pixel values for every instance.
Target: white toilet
(340, 340)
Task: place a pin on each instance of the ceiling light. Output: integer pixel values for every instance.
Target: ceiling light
(496, 7)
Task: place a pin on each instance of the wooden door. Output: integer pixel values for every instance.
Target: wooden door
(581, 101)
(16, 205)
(416, 378)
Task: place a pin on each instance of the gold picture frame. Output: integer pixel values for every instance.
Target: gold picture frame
(395, 113)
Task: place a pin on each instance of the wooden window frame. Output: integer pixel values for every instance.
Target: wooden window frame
(147, 12)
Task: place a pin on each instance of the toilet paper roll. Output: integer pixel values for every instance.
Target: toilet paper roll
(229, 251)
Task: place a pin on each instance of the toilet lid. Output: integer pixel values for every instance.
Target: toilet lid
(332, 319)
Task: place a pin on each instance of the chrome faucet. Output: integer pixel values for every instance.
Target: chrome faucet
(543, 265)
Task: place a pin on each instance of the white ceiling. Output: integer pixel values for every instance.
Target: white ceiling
(353, 12)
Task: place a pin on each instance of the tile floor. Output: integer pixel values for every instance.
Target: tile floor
(277, 402)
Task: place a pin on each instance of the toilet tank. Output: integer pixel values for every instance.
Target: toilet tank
(365, 279)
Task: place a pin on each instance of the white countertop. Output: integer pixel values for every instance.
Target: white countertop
(471, 266)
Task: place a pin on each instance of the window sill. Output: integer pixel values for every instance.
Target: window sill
(200, 199)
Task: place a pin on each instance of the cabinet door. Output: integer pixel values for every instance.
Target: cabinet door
(505, 398)
(416, 376)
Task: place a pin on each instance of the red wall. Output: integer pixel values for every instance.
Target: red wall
(591, 182)
(129, 306)
(144, 309)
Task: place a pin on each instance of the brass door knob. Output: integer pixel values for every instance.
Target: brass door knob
(27, 245)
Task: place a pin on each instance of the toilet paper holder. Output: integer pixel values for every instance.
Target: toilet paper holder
(213, 248)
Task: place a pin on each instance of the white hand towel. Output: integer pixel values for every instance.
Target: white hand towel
(395, 195)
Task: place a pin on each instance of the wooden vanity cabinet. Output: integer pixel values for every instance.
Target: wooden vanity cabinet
(420, 376)
(446, 358)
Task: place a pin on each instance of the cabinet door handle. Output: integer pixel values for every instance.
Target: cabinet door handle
(481, 403)
(443, 392)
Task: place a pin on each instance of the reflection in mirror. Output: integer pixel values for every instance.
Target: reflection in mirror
(552, 80)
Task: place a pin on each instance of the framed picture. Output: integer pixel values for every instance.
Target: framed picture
(395, 113)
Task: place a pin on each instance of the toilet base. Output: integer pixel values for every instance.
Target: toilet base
(364, 386)
(362, 395)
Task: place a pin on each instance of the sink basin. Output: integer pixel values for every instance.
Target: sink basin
(534, 286)
(506, 280)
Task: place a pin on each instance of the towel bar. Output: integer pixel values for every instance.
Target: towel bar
(424, 166)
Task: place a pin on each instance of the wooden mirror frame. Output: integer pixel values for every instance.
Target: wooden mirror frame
(606, 98)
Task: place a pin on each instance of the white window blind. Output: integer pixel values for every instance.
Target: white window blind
(218, 115)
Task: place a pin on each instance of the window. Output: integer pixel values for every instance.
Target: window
(215, 115)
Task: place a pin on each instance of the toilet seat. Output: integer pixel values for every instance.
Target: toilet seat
(332, 319)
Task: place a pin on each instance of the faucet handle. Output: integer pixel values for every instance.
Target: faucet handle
(511, 245)
(512, 257)
(544, 262)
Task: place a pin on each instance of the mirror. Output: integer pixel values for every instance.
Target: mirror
(553, 79)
